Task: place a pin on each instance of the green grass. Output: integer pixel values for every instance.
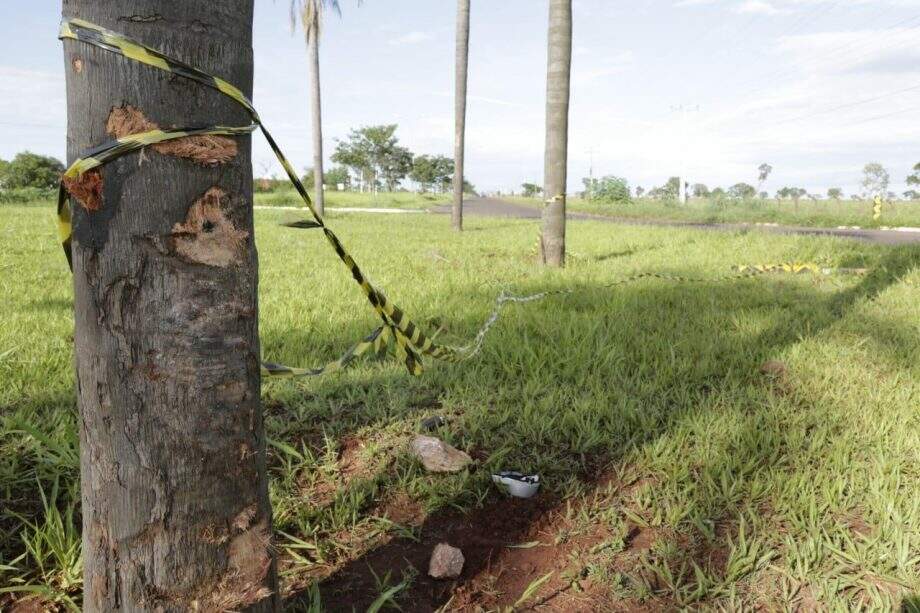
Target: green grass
(398, 200)
(806, 485)
(823, 213)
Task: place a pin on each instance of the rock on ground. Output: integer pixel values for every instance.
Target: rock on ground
(446, 562)
(437, 456)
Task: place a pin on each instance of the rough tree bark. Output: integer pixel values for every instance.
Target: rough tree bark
(317, 119)
(461, 61)
(558, 69)
(175, 505)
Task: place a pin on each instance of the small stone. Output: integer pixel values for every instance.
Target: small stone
(773, 368)
(446, 562)
(437, 456)
(430, 424)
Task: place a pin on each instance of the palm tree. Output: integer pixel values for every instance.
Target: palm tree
(461, 61)
(165, 454)
(555, 161)
(310, 14)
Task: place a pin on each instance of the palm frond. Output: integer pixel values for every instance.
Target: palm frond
(309, 13)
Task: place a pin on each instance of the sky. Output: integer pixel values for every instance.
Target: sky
(707, 88)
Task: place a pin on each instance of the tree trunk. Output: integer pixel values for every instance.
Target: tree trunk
(558, 68)
(461, 62)
(317, 118)
(175, 506)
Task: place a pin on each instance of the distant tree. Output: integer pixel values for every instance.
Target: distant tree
(699, 190)
(912, 194)
(835, 193)
(337, 175)
(531, 190)
(640, 191)
(914, 178)
(4, 168)
(856, 197)
(396, 164)
(308, 177)
(717, 194)
(354, 153)
(31, 170)
(608, 189)
(672, 187)
(891, 196)
(875, 180)
(469, 188)
(432, 172)
(763, 173)
(763, 195)
(795, 193)
(373, 153)
(742, 191)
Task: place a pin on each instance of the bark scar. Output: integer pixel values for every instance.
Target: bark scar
(208, 150)
(208, 236)
(86, 189)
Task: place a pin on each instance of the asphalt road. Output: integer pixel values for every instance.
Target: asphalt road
(494, 207)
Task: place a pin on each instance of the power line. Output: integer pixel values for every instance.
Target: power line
(869, 40)
(886, 115)
(847, 105)
(31, 125)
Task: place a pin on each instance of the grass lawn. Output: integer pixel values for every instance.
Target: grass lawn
(823, 213)
(675, 472)
(399, 200)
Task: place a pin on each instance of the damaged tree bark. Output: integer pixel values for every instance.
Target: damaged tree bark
(176, 514)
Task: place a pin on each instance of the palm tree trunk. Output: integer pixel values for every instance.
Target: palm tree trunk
(558, 69)
(461, 62)
(317, 112)
(175, 506)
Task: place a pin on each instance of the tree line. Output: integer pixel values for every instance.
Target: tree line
(875, 182)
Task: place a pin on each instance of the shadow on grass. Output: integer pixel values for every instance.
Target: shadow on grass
(647, 359)
(64, 305)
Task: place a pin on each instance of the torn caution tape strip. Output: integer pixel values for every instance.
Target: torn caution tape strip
(798, 268)
(96, 157)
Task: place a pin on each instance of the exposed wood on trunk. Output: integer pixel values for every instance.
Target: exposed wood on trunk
(558, 69)
(175, 504)
(461, 62)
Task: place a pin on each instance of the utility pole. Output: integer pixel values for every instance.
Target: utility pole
(685, 144)
(590, 189)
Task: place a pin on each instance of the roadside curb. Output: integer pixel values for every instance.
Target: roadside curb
(343, 209)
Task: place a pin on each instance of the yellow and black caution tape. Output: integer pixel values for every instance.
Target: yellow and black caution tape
(877, 208)
(410, 341)
(798, 268)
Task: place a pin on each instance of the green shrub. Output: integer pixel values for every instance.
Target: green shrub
(610, 189)
(24, 195)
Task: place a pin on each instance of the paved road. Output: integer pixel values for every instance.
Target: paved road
(493, 207)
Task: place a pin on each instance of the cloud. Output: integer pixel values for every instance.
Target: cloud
(854, 51)
(615, 64)
(486, 99)
(412, 38)
(758, 7)
(686, 3)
